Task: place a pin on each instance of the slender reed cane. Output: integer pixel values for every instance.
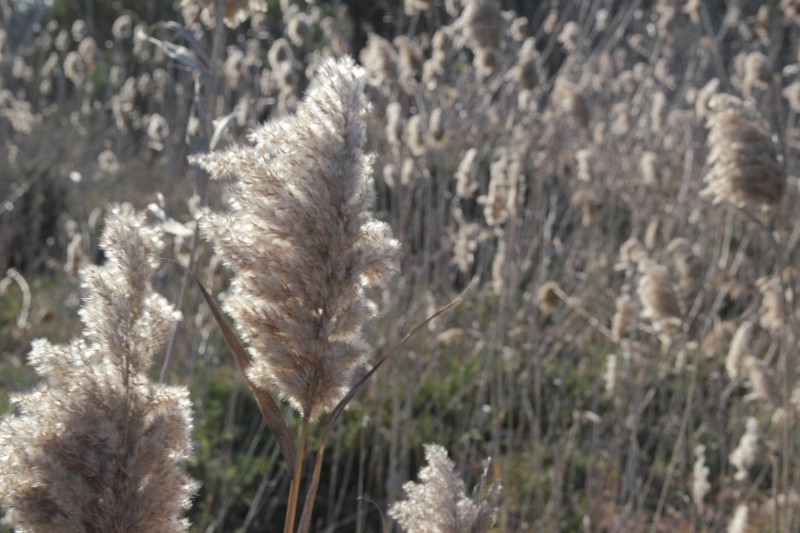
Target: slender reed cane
(294, 488)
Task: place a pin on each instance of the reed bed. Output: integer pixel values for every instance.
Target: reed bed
(543, 249)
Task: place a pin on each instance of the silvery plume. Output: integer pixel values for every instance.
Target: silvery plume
(96, 446)
(302, 242)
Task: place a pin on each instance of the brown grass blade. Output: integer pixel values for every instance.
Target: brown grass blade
(269, 409)
(311, 494)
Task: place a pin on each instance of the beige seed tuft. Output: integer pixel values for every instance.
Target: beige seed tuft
(302, 242)
(744, 162)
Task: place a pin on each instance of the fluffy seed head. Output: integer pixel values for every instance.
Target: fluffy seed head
(483, 24)
(624, 317)
(745, 453)
(700, 484)
(439, 503)
(95, 446)
(739, 521)
(467, 175)
(548, 296)
(302, 242)
(744, 162)
(658, 298)
(772, 316)
(739, 350)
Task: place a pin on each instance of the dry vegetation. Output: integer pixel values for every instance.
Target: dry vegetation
(619, 180)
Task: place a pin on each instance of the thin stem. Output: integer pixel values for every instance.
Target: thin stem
(294, 489)
(573, 304)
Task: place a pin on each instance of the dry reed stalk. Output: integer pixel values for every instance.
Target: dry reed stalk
(590, 205)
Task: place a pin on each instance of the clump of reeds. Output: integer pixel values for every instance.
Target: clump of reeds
(439, 502)
(96, 446)
(745, 166)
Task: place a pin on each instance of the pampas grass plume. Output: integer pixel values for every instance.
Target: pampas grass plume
(660, 304)
(95, 446)
(438, 503)
(745, 166)
(302, 242)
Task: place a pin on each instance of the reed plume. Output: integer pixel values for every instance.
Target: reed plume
(302, 242)
(700, 484)
(96, 445)
(745, 453)
(659, 301)
(745, 166)
(547, 296)
(439, 503)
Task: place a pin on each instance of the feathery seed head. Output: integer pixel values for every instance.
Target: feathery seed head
(773, 317)
(466, 175)
(739, 521)
(745, 453)
(95, 446)
(438, 503)
(122, 27)
(483, 24)
(236, 11)
(660, 304)
(548, 297)
(624, 318)
(380, 61)
(739, 350)
(700, 484)
(302, 242)
(745, 166)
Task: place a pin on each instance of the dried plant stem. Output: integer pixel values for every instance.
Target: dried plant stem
(677, 450)
(13, 275)
(574, 306)
(294, 489)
